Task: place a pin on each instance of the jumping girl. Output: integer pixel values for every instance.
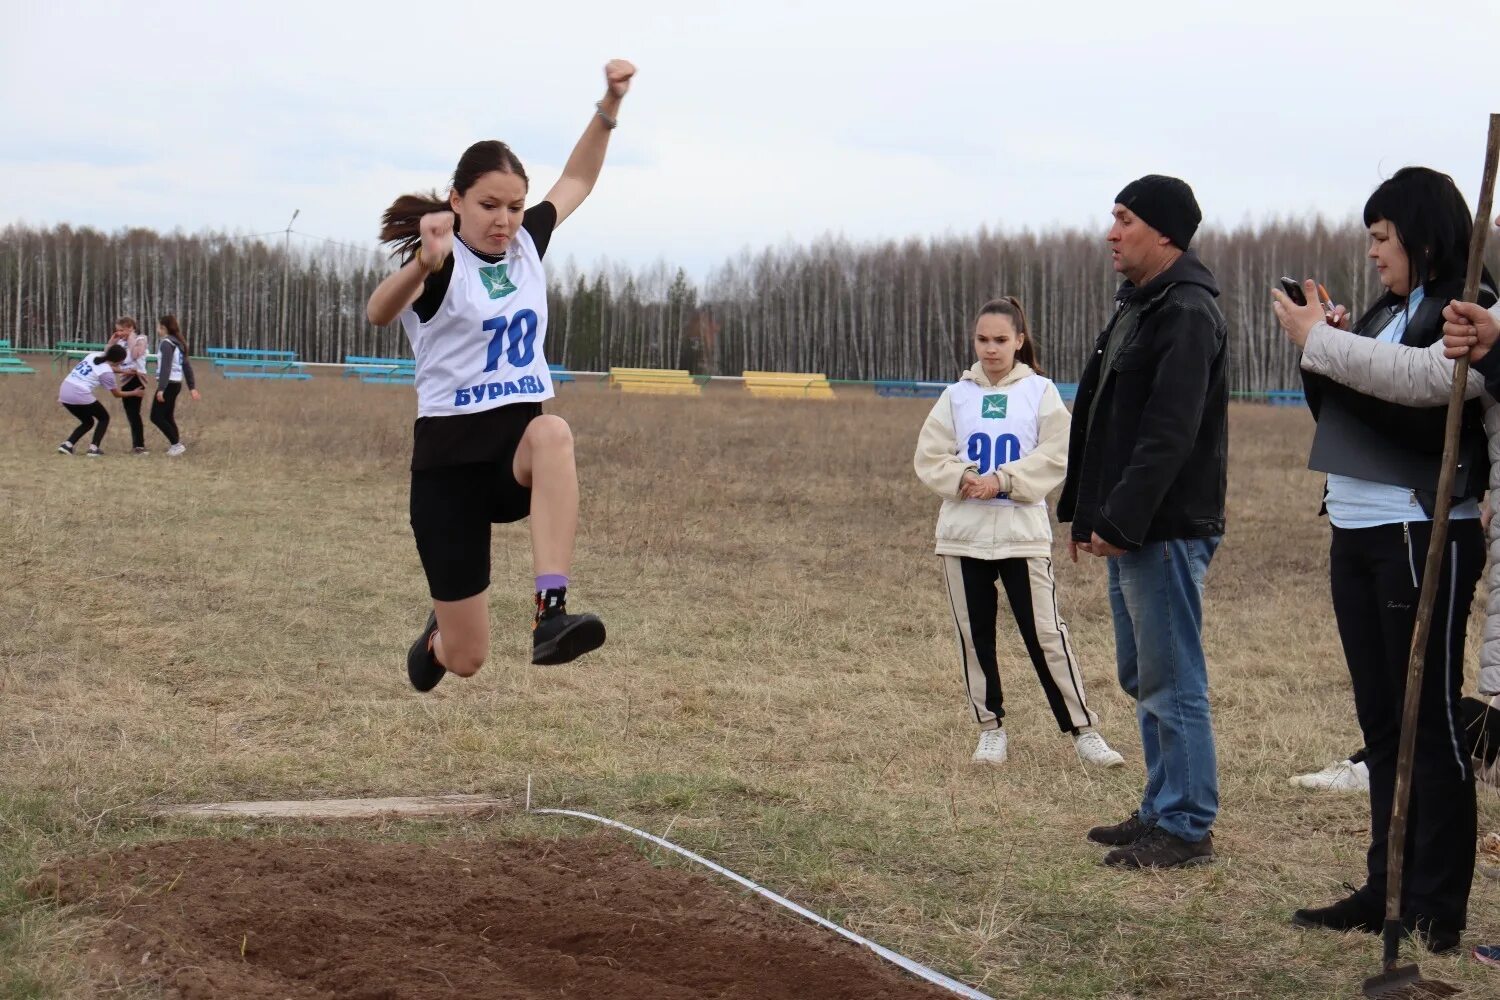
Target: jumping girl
(133, 374)
(472, 296)
(172, 368)
(76, 394)
(993, 446)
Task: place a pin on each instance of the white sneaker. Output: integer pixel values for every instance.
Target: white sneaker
(992, 744)
(1340, 776)
(177, 449)
(1093, 750)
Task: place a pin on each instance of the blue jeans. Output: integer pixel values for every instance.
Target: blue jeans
(1156, 595)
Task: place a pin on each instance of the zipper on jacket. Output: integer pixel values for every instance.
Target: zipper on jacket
(1411, 560)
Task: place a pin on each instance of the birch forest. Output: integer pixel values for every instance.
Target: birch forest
(850, 310)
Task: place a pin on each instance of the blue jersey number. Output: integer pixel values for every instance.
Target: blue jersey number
(991, 454)
(522, 349)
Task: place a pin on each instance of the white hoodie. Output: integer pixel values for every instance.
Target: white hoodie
(1020, 530)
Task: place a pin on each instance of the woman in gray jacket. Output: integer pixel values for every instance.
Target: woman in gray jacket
(1397, 370)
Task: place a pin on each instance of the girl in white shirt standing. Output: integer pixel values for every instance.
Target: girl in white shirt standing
(76, 394)
(472, 295)
(133, 378)
(994, 445)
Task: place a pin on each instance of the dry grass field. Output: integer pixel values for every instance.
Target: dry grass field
(779, 690)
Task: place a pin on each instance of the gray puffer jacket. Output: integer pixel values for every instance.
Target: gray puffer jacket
(1420, 377)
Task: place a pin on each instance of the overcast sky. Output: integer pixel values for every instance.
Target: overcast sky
(750, 123)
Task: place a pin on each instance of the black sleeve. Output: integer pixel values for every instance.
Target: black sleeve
(1187, 343)
(540, 219)
(433, 289)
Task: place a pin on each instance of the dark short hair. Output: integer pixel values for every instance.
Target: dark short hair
(1431, 218)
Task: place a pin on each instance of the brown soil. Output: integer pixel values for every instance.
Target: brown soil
(280, 919)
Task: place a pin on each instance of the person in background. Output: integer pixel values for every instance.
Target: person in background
(993, 447)
(1382, 468)
(1147, 476)
(133, 378)
(76, 394)
(173, 367)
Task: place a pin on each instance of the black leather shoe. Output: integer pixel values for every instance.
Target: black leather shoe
(1121, 834)
(1357, 911)
(1160, 849)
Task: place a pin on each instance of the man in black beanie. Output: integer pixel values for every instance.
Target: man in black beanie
(1147, 464)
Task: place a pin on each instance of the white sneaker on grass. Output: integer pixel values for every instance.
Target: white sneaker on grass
(992, 746)
(177, 449)
(1340, 776)
(1093, 750)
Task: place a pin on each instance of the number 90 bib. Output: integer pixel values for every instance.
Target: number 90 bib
(996, 426)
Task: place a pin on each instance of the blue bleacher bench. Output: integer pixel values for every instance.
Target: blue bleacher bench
(244, 362)
(1286, 397)
(399, 371)
(560, 374)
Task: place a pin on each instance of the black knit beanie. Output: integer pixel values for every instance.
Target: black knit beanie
(1166, 204)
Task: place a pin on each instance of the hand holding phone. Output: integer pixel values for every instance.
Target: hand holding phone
(1294, 292)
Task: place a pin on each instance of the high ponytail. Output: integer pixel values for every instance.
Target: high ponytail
(1010, 308)
(401, 224)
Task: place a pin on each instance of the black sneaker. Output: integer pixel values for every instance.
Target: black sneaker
(559, 637)
(66, 448)
(422, 667)
(1160, 849)
(1122, 834)
(139, 451)
(1358, 911)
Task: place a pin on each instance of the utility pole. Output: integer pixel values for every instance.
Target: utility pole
(286, 264)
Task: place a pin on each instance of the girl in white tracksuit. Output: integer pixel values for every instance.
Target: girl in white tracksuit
(993, 446)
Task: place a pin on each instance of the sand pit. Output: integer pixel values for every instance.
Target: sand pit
(588, 917)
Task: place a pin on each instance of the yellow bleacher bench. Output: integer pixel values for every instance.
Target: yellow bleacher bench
(789, 385)
(655, 381)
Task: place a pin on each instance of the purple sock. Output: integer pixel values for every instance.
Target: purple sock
(550, 581)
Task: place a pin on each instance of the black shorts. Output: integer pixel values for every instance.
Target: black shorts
(453, 506)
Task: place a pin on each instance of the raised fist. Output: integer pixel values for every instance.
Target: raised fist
(437, 235)
(617, 74)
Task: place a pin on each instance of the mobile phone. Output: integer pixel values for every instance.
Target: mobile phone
(1293, 291)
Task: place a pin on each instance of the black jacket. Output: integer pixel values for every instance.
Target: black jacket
(1415, 429)
(1149, 452)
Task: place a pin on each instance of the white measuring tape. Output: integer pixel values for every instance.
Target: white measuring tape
(915, 968)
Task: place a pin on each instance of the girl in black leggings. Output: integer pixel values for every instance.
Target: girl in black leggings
(172, 369)
(76, 394)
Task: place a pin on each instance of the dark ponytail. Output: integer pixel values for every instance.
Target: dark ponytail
(401, 224)
(170, 322)
(113, 354)
(1010, 308)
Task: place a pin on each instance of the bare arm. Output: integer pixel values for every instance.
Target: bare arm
(400, 289)
(587, 158)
